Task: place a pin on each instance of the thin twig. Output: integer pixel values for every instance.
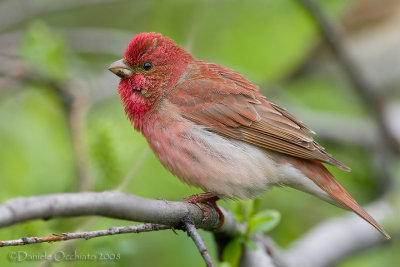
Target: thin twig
(201, 246)
(90, 222)
(147, 227)
(77, 120)
(128, 177)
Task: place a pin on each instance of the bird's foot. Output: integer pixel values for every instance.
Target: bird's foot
(211, 198)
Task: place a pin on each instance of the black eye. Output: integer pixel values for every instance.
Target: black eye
(147, 66)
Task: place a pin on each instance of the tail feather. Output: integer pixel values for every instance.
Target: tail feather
(317, 172)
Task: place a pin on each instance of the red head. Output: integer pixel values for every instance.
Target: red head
(151, 66)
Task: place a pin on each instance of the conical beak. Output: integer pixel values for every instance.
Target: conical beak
(120, 69)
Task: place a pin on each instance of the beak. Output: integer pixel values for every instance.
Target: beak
(120, 69)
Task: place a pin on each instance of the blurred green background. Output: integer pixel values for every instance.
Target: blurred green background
(63, 129)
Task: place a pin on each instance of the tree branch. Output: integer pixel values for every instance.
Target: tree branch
(148, 227)
(259, 257)
(349, 233)
(310, 250)
(114, 204)
(111, 204)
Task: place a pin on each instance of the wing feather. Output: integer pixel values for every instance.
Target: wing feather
(227, 103)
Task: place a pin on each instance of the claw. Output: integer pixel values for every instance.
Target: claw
(210, 198)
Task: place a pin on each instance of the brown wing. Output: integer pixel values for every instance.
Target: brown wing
(228, 104)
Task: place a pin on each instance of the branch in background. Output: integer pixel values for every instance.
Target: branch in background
(86, 40)
(260, 256)
(348, 234)
(74, 97)
(124, 184)
(360, 131)
(360, 83)
(96, 40)
(14, 12)
(76, 103)
(148, 227)
(77, 121)
(330, 127)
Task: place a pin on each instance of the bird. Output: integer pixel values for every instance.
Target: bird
(212, 128)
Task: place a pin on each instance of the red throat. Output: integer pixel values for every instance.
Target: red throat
(136, 105)
(168, 60)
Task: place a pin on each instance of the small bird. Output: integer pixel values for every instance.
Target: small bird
(209, 126)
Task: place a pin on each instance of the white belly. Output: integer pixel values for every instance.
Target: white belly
(228, 167)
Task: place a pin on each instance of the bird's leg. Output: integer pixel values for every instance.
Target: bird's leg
(210, 198)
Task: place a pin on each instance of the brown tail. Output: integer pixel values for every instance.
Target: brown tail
(325, 180)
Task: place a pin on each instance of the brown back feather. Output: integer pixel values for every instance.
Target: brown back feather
(230, 105)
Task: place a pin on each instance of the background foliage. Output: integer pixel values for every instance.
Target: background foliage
(57, 43)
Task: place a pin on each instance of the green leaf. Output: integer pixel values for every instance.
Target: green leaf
(238, 211)
(233, 252)
(250, 244)
(104, 157)
(263, 221)
(45, 51)
(255, 207)
(245, 209)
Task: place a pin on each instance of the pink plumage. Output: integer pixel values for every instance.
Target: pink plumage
(210, 127)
